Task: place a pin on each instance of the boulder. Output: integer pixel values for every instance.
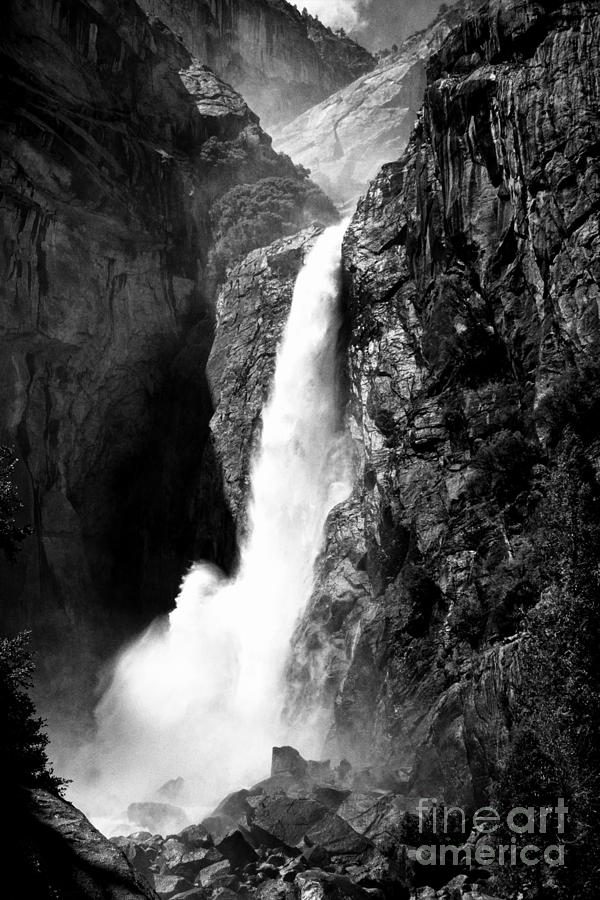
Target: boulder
(218, 826)
(236, 847)
(195, 836)
(168, 886)
(208, 876)
(288, 760)
(316, 857)
(330, 797)
(338, 837)
(286, 821)
(267, 871)
(195, 893)
(192, 861)
(320, 770)
(317, 885)
(71, 857)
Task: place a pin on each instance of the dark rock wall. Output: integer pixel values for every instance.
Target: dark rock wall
(472, 286)
(115, 144)
(282, 62)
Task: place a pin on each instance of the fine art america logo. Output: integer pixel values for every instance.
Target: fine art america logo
(518, 823)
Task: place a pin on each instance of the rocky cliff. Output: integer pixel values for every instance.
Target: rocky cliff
(282, 62)
(472, 298)
(252, 309)
(345, 139)
(119, 154)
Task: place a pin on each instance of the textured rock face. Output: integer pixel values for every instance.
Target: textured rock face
(115, 145)
(472, 270)
(282, 62)
(63, 855)
(252, 309)
(346, 139)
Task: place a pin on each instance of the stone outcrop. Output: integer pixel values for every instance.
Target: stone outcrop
(56, 852)
(308, 831)
(252, 309)
(282, 62)
(472, 273)
(345, 139)
(116, 146)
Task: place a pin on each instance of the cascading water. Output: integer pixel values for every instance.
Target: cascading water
(199, 695)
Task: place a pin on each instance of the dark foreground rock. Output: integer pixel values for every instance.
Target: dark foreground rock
(59, 854)
(284, 843)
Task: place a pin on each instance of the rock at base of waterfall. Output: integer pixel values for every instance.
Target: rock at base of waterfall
(315, 884)
(188, 863)
(287, 760)
(211, 874)
(169, 886)
(70, 856)
(193, 894)
(195, 836)
(157, 817)
(236, 847)
(316, 857)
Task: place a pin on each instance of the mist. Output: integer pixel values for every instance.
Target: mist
(375, 23)
(199, 695)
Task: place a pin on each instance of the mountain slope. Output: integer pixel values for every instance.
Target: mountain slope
(346, 138)
(281, 61)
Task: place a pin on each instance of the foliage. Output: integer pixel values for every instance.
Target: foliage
(501, 466)
(11, 534)
(22, 740)
(253, 215)
(573, 402)
(555, 746)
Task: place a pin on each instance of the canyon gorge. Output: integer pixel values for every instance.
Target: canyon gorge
(169, 171)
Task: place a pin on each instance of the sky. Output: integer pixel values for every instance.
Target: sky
(374, 23)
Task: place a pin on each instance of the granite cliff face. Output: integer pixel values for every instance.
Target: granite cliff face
(116, 146)
(252, 309)
(345, 139)
(280, 60)
(472, 271)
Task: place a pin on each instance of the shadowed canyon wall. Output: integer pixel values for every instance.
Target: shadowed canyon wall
(116, 146)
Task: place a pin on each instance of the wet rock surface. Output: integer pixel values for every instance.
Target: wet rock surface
(472, 268)
(284, 843)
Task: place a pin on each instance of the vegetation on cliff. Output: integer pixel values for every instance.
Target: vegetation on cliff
(254, 215)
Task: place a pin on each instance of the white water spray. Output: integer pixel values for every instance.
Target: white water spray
(199, 695)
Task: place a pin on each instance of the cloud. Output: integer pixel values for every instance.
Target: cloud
(345, 13)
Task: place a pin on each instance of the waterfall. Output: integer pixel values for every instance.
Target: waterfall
(199, 695)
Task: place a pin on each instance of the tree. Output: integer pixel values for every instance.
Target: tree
(555, 743)
(23, 742)
(23, 758)
(11, 535)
